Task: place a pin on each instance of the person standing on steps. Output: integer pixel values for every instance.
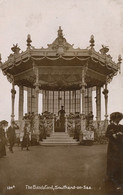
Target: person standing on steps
(61, 114)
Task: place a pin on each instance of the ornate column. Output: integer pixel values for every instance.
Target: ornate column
(83, 91)
(36, 125)
(29, 100)
(47, 101)
(53, 102)
(13, 92)
(83, 84)
(80, 101)
(69, 101)
(59, 100)
(44, 101)
(21, 101)
(105, 92)
(73, 102)
(98, 103)
(36, 89)
(41, 92)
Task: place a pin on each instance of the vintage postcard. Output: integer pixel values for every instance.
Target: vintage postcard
(61, 127)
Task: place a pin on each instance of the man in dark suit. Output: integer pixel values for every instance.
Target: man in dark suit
(11, 135)
(61, 114)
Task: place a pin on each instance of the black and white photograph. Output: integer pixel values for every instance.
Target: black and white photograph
(61, 97)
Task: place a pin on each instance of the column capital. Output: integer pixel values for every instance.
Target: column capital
(13, 91)
(36, 85)
(105, 91)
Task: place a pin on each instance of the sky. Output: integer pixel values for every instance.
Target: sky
(79, 19)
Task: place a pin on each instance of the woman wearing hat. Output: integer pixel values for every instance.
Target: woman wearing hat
(26, 137)
(2, 140)
(115, 150)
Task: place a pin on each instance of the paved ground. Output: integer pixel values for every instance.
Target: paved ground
(61, 166)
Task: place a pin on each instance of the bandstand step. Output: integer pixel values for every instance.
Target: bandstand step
(59, 138)
(57, 144)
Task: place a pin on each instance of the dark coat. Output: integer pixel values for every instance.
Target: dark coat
(2, 143)
(26, 140)
(115, 153)
(61, 114)
(11, 134)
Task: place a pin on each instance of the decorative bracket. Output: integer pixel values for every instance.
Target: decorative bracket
(15, 49)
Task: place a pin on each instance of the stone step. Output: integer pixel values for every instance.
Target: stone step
(59, 133)
(58, 143)
(59, 138)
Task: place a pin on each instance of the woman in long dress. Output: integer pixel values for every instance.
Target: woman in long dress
(115, 150)
(2, 141)
(26, 137)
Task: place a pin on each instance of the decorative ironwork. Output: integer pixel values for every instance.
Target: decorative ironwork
(104, 50)
(110, 77)
(45, 125)
(13, 91)
(119, 63)
(105, 92)
(74, 125)
(15, 49)
(60, 44)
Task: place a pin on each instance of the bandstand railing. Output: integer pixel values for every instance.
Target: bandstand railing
(46, 125)
(76, 125)
(100, 127)
(73, 125)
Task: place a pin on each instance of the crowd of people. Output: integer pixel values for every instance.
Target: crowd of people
(29, 116)
(114, 134)
(8, 137)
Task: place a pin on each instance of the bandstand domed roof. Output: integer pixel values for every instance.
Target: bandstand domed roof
(59, 65)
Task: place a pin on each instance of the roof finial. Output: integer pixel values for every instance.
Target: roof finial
(60, 34)
(15, 49)
(92, 41)
(119, 63)
(0, 58)
(28, 41)
(104, 50)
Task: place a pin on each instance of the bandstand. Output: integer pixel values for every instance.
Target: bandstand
(65, 76)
